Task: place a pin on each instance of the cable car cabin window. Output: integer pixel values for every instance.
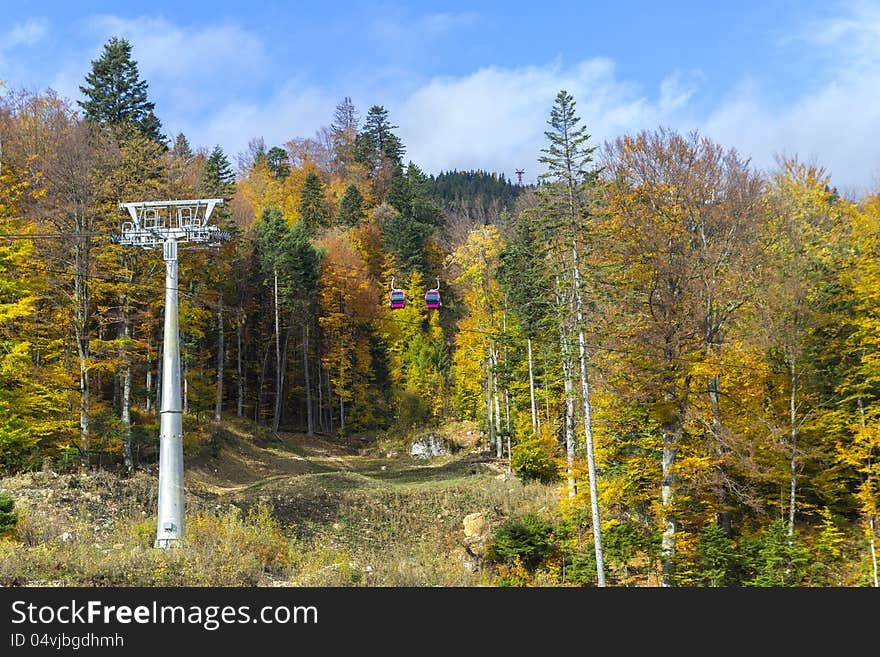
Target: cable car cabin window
(398, 299)
(432, 299)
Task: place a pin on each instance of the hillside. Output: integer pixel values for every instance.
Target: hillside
(272, 511)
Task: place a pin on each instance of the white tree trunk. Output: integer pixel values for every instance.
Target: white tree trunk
(588, 421)
(149, 378)
(159, 367)
(221, 357)
(499, 447)
(535, 422)
(873, 550)
(310, 421)
(81, 331)
(490, 425)
(568, 386)
(794, 437)
(276, 419)
(125, 411)
(667, 499)
(871, 532)
(239, 370)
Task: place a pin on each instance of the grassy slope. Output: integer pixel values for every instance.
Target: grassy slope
(267, 510)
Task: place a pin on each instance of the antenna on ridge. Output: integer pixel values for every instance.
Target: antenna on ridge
(519, 175)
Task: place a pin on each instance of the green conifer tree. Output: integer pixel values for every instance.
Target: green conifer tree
(218, 176)
(115, 94)
(312, 202)
(351, 210)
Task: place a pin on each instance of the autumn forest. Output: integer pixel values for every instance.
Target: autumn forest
(686, 346)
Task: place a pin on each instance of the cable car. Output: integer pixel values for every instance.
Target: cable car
(397, 298)
(432, 297)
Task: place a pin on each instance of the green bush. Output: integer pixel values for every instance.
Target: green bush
(529, 539)
(776, 560)
(8, 516)
(717, 558)
(533, 458)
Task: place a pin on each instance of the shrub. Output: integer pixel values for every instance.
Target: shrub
(775, 559)
(8, 516)
(529, 539)
(717, 559)
(533, 458)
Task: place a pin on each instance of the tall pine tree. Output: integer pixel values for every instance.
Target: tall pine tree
(116, 95)
(311, 205)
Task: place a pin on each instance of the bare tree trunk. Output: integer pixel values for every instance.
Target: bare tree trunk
(239, 373)
(125, 411)
(279, 399)
(535, 422)
(568, 386)
(546, 386)
(259, 405)
(276, 419)
(794, 437)
(499, 448)
(126, 417)
(714, 389)
(506, 392)
(149, 378)
(320, 377)
(221, 357)
(490, 423)
(873, 550)
(671, 438)
(310, 421)
(81, 330)
(330, 403)
(871, 532)
(591, 462)
(159, 374)
(588, 422)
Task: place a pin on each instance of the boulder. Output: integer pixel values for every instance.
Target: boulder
(476, 534)
(428, 445)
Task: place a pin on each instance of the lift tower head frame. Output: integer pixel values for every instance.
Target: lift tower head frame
(169, 223)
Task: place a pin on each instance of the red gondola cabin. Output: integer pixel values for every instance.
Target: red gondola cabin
(398, 299)
(432, 299)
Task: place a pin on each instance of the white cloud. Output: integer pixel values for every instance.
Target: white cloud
(834, 127)
(219, 85)
(412, 30)
(835, 123)
(28, 33)
(189, 69)
(495, 118)
(296, 110)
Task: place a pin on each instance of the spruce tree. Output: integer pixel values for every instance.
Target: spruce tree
(406, 233)
(311, 204)
(567, 203)
(181, 149)
(343, 132)
(379, 149)
(218, 176)
(115, 94)
(376, 142)
(351, 207)
(278, 162)
(8, 516)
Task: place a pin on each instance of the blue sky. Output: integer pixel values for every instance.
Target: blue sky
(470, 84)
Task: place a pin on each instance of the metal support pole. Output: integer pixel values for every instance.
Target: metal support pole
(167, 222)
(171, 518)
